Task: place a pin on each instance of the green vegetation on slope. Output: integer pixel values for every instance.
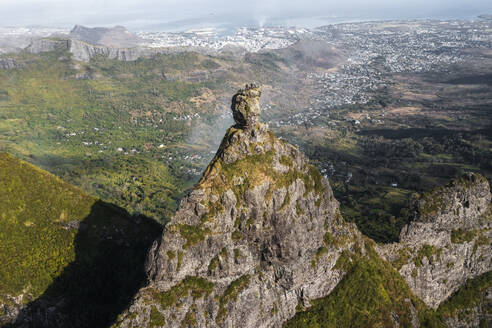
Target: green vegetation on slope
(460, 236)
(196, 286)
(380, 212)
(58, 242)
(231, 294)
(36, 209)
(372, 294)
(115, 129)
(470, 295)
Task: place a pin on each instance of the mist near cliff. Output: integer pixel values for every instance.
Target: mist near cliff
(174, 14)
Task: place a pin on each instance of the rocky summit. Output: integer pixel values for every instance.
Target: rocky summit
(246, 107)
(448, 241)
(251, 242)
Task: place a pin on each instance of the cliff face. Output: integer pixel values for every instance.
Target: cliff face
(84, 51)
(47, 45)
(448, 242)
(257, 237)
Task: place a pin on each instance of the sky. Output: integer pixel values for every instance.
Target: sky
(171, 14)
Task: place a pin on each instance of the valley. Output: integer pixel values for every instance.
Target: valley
(386, 110)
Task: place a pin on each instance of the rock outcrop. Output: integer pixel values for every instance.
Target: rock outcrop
(448, 242)
(10, 63)
(84, 51)
(246, 107)
(258, 237)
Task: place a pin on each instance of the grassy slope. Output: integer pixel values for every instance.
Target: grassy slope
(469, 296)
(101, 264)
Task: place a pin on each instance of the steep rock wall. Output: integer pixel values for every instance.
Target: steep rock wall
(448, 242)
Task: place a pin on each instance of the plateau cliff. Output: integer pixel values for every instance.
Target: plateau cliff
(118, 36)
(84, 51)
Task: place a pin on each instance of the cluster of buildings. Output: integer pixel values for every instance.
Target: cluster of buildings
(250, 39)
(376, 49)
(408, 46)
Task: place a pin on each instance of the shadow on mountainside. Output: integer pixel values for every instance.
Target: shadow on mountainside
(109, 268)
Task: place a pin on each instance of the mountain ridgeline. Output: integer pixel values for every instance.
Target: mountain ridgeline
(258, 242)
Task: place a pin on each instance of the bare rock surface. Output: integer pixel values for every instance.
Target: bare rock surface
(246, 107)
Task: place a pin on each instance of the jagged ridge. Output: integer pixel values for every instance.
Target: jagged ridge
(448, 242)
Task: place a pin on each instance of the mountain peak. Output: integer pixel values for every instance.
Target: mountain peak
(254, 236)
(246, 106)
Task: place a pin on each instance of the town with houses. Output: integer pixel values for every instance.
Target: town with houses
(250, 39)
(375, 49)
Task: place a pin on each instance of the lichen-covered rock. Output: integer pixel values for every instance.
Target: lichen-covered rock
(258, 237)
(448, 242)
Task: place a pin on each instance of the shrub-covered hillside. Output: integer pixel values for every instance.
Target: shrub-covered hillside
(60, 246)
